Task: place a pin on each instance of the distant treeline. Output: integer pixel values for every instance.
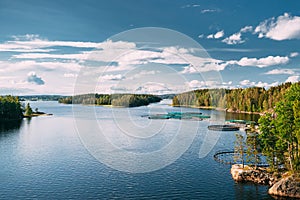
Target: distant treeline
(10, 108)
(124, 100)
(40, 97)
(254, 99)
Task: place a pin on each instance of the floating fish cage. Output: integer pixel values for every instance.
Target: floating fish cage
(240, 121)
(180, 115)
(228, 157)
(225, 127)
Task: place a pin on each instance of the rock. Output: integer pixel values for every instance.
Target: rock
(287, 187)
(248, 174)
(237, 172)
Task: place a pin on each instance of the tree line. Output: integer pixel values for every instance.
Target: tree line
(124, 100)
(254, 99)
(10, 108)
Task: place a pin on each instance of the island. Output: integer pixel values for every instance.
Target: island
(116, 100)
(12, 109)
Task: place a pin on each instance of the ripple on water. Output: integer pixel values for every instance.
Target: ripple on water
(45, 159)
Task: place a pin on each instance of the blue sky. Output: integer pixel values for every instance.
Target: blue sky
(46, 45)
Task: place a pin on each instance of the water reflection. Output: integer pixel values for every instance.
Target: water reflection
(242, 116)
(10, 125)
(246, 191)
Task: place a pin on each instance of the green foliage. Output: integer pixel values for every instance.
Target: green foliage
(280, 132)
(10, 108)
(268, 141)
(124, 100)
(253, 99)
(239, 149)
(28, 110)
(252, 145)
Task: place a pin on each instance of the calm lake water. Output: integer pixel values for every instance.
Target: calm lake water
(48, 157)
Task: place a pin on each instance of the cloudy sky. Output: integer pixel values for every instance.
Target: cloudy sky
(58, 47)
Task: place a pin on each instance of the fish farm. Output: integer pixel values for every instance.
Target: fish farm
(179, 115)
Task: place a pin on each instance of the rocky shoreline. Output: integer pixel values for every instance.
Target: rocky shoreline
(280, 184)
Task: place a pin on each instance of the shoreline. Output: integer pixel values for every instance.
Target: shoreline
(281, 184)
(36, 115)
(219, 109)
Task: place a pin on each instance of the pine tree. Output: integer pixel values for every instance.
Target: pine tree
(239, 149)
(28, 110)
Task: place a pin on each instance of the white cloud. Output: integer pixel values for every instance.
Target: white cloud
(33, 43)
(248, 83)
(280, 71)
(246, 29)
(294, 54)
(190, 6)
(199, 65)
(262, 62)
(79, 56)
(70, 75)
(209, 11)
(153, 88)
(196, 84)
(234, 39)
(26, 37)
(211, 36)
(217, 35)
(7, 49)
(141, 74)
(111, 77)
(285, 27)
(292, 79)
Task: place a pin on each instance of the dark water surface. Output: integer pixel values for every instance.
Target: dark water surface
(44, 158)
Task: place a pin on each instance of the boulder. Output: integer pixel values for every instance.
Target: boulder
(287, 187)
(249, 174)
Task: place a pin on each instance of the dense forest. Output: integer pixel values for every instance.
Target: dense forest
(40, 97)
(279, 135)
(254, 99)
(124, 100)
(10, 108)
(280, 131)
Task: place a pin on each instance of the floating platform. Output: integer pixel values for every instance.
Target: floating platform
(239, 121)
(179, 115)
(225, 127)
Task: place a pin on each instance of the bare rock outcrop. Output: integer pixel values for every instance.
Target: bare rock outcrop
(287, 187)
(249, 174)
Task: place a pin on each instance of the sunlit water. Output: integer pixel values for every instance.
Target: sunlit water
(44, 158)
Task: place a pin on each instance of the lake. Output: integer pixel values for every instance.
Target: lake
(87, 152)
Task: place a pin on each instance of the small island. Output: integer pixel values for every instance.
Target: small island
(12, 109)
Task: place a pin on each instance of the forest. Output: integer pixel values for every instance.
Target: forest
(254, 99)
(278, 137)
(280, 132)
(124, 100)
(10, 108)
